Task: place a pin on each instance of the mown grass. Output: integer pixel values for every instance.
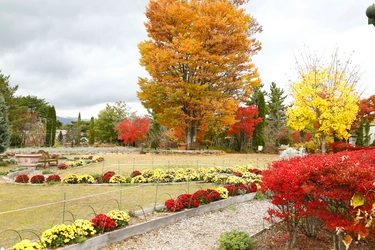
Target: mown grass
(31, 209)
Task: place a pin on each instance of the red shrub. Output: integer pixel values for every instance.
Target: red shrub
(53, 177)
(103, 223)
(340, 146)
(321, 186)
(188, 200)
(239, 174)
(22, 178)
(213, 195)
(174, 205)
(242, 189)
(37, 179)
(62, 166)
(203, 196)
(135, 173)
(255, 171)
(106, 177)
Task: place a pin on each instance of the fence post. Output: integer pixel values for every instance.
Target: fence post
(120, 208)
(156, 194)
(64, 204)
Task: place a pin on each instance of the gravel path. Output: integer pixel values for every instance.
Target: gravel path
(200, 232)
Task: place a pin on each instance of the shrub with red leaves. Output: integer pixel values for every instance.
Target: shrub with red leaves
(53, 177)
(213, 195)
(135, 173)
(22, 178)
(103, 223)
(242, 189)
(203, 196)
(239, 174)
(37, 179)
(105, 177)
(188, 200)
(174, 205)
(62, 166)
(321, 187)
(255, 171)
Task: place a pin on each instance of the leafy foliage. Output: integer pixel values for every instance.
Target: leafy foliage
(316, 190)
(325, 98)
(276, 116)
(366, 111)
(108, 118)
(258, 99)
(131, 131)
(5, 129)
(247, 118)
(236, 240)
(198, 57)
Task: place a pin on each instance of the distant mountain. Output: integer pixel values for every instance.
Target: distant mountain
(66, 120)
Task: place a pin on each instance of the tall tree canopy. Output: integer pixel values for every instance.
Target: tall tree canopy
(131, 131)
(5, 130)
(325, 96)
(247, 118)
(366, 111)
(109, 118)
(276, 108)
(257, 98)
(198, 58)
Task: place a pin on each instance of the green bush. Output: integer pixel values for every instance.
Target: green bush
(236, 240)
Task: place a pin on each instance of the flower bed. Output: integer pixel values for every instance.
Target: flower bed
(81, 230)
(236, 176)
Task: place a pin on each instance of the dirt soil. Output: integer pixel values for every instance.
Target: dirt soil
(275, 239)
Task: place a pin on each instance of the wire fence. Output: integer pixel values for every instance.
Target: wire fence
(28, 210)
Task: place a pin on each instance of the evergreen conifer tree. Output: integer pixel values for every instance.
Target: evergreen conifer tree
(5, 129)
(359, 140)
(276, 113)
(92, 131)
(77, 138)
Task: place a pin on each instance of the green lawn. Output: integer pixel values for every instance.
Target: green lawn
(31, 209)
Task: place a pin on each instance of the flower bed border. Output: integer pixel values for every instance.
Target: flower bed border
(121, 234)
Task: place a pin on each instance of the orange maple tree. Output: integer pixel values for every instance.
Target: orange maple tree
(199, 61)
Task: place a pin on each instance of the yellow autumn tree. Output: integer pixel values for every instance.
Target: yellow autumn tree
(198, 57)
(325, 96)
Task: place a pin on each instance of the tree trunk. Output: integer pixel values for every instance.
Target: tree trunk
(191, 135)
(337, 242)
(323, 143)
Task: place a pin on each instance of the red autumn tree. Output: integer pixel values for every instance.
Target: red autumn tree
(366, 111)
(131, 131)
(247, 118)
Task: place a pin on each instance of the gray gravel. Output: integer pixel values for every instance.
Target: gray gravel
(201, 232)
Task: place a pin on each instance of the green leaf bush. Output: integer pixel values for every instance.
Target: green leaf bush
(236, 240)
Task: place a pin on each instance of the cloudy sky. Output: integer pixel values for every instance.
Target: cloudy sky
(81, 55)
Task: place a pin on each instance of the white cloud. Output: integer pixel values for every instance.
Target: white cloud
(80, 55)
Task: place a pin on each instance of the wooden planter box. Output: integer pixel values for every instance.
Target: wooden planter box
(182, 146)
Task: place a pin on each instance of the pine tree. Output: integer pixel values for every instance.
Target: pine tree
(258, 99)
(54, 125)
(276, 112)
(77, 137)
(60, 138)
(5, 129)
(48, 137)
(92, 131)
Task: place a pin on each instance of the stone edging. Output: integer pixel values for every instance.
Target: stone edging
(121, 234)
